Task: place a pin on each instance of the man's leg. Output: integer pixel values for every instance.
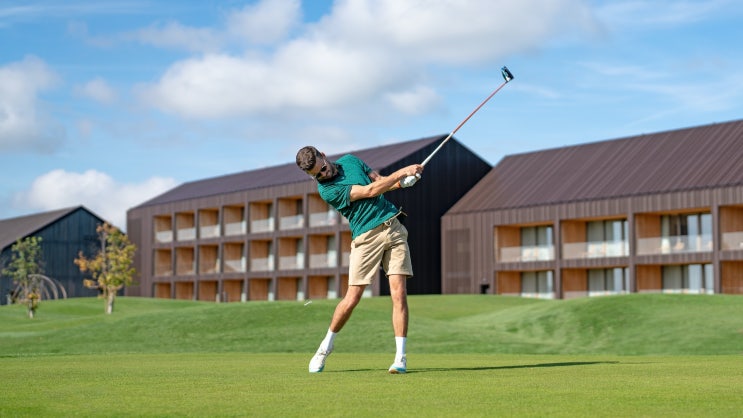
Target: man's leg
(399, 295)
(345, 307)
(342, 313)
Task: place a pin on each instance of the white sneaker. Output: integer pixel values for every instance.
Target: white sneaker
(399, 366)
(317, 364)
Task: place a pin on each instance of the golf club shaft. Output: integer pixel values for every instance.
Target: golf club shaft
(463, 122)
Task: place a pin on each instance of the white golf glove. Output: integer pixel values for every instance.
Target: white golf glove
(409, 180)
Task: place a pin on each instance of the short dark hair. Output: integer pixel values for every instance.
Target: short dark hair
(307, 157)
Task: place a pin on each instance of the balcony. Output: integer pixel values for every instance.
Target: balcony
(261, 225)
(595, 249)
(291, 222)
(235, 228)
(210, 231)
(328, 218)
(323, 260)
(677, 244)
(186, 234)
(261, 264)
(732, 241)
(164, 236)
(291, 262)
(526, 254)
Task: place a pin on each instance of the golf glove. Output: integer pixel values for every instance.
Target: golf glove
(409, 180)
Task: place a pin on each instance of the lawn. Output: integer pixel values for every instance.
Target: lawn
(634, 355)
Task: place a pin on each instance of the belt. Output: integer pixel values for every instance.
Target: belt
(389, 221)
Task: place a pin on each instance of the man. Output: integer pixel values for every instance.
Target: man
(378, 237)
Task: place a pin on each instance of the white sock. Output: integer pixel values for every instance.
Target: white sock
(400, 344)
(328, 341)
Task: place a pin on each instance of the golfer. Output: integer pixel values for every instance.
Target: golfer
(378, 237)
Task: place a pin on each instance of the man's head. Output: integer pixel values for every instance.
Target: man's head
(314, 163)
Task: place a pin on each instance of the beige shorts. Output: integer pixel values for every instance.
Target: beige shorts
(387, 245)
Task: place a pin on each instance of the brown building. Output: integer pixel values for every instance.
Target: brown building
(266, 234)
(652, 213)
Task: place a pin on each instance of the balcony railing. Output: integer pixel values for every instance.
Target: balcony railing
(676, 244)
(234, 266)
(291, 222)
(261, 225)
(732, 240)
(186, 234)
(595, 249)
(209, 231)
(291, 262)
(323, 218)
(164, 236)
(530, 253)
(323, 260)
(234, 228)
(261, 264)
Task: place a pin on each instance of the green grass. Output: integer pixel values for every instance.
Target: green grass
(469, 355)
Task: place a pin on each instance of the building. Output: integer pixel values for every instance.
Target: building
(64, 234)
(661, 212)
(266, 234)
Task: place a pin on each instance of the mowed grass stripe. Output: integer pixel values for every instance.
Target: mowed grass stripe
(624, 325)
(356, 384)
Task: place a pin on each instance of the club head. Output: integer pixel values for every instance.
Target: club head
(506, 74)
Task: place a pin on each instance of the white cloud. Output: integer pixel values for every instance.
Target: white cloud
(93, 189)
(265, 22)
(24, 124)
(99, 90)
(175, 35)
(262, 23)
(363, 52)
(415, 101)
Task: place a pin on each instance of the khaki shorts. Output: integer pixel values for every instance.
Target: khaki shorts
(387, 245)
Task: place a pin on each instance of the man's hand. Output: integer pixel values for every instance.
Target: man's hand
(409, 180)
(412, 174)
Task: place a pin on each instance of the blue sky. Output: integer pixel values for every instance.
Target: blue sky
(112, 102)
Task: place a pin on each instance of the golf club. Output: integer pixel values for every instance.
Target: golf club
(507, 76)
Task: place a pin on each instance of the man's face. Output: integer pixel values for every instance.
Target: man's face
(322, 170)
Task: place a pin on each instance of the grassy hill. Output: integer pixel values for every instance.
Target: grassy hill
(622, 325)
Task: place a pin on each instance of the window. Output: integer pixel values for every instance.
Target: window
(687, 232)
(690, 278)
(536, 243)
(611, 281)
(608, 238)
(537, 284)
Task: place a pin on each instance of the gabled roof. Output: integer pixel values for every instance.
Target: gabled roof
(685, 159)
(13, 229)
(377, 158)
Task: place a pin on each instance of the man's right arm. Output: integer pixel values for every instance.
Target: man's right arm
(381, 184)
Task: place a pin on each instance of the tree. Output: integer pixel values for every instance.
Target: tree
(25, 268)
(111, 268)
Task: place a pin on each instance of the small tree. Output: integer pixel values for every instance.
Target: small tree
(25, 267)
(112, 267)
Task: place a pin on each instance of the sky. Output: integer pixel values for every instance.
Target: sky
(109, 103)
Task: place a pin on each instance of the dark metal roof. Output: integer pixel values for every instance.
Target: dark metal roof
(684, 159)
(13, 229)
(377, 158)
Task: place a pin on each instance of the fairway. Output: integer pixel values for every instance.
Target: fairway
(231, 384)
(468, 355)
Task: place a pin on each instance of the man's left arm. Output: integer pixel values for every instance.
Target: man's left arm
(381, 184)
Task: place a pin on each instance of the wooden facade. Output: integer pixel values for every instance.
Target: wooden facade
(653, 213)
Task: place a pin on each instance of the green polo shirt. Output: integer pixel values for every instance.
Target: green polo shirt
(363, 214)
